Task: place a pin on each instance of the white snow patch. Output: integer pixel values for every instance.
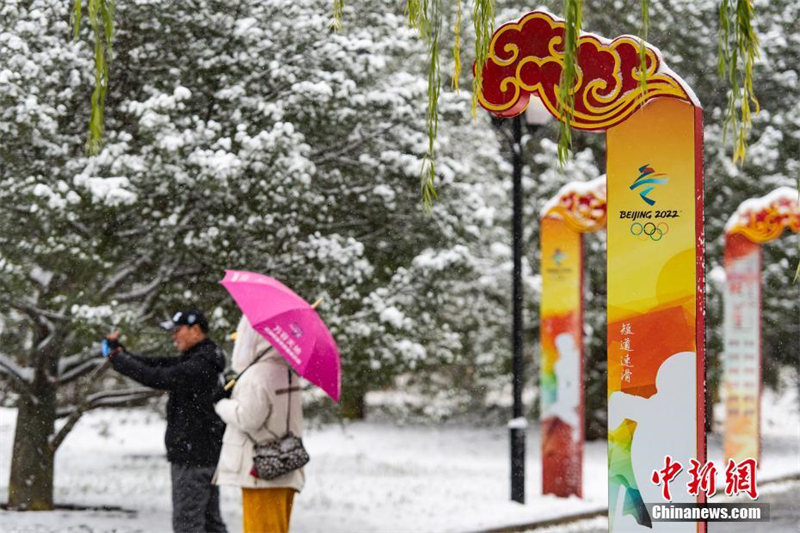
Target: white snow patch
(181, 93)
(392, 316)
(41, 276)
(717, 275)
(411, 350)
(111, 191)
(518, 423)
(89, 312)
(440, 259)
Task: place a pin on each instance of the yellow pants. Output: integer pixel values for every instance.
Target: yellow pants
(267, 510)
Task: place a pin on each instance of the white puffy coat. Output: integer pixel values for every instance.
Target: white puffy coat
(256, 407)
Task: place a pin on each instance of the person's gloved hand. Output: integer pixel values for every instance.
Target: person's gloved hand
(220, 393)
(110, 345)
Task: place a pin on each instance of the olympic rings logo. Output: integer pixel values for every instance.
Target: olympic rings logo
(651, 230)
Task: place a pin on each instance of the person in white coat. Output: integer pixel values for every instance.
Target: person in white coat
(257, 411)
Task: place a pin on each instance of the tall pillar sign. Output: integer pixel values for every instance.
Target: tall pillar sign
(578, 208)
(755, 222)
(741, 360)
(656, 360)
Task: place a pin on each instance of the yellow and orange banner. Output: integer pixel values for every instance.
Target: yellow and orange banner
(577, 208)
(561, 373)
(655, 334)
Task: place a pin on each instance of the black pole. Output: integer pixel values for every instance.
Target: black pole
(517, 429)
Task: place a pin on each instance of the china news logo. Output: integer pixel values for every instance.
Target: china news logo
(648, 179)
(650, 230)
(740, 479)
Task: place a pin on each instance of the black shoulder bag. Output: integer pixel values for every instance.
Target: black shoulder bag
(282, 454)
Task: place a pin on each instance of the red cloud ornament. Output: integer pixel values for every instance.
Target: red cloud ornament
(526, 58)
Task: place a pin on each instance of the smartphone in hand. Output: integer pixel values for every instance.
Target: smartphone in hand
(105, 348)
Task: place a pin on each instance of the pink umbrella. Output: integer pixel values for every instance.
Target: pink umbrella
(290, 325)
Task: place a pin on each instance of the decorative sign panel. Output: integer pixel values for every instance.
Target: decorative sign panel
(656, 357)
(756, 221)
(577, 208)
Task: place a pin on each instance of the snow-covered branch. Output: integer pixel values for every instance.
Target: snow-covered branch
(118, 398)
(34, 312)
(68, 362)
(10, 367)
(141, 292)
(79, 370)
(112, 398)
(167, 273)
(133, 399)
(115, 280)
(349, 146)
(107, 397)
(51, 334)
(20, 377)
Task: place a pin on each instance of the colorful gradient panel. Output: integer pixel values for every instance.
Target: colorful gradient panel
(562, 358)
(655, 369)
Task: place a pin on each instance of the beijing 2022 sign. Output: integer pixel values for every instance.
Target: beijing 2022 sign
(656, 359)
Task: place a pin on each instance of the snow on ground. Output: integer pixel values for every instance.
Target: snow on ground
(363, 476)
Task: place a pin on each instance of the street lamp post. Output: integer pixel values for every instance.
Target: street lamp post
(517, 426)
(535, 115)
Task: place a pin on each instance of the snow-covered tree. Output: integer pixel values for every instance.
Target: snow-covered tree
(58, 257)
(238, 136)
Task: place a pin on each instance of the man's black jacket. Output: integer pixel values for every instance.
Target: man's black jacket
(194, 431)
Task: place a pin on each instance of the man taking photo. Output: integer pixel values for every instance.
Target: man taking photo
(194, 431)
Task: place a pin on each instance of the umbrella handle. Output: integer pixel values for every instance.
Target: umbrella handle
(315, 304)
(229, 385)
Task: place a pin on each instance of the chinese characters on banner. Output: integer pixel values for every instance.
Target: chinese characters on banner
(286, 342)
(756, 221)
(626, 349)
(742, 360)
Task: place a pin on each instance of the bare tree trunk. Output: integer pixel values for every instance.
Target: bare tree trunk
(30, 486)
(353, 406)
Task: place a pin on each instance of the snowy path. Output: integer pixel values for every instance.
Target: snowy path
(781, 497)
(362, 477)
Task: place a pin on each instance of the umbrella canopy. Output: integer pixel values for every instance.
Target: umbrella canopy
(290, 325)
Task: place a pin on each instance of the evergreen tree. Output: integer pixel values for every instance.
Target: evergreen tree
(238, 136)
